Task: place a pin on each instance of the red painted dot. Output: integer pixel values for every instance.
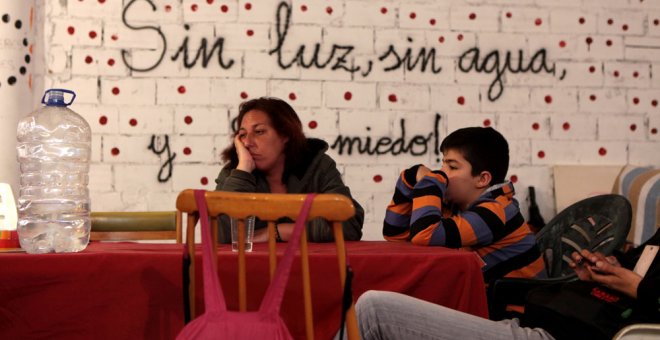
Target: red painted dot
(103, 120)
(538, 22)
(635, 100)
(89, 59)
(224, 8)
(313, 124)
(115, 90)
(432, 22)
(635, 74)
(204, 181)
(656, 22)
(536, 126)
(459, 37)
(132, 122)
(608, 42)
(566, 126)
(486, 122)
(383, 10)
(101, 1)
(111, 62)
(624, 27)
(562, 44)
(592, 69)
(392, 98)
(244, 95)
(616, 74)
(303, 8)
(508, 14)
(378, 178)
(193, 8)
(348, 95)
(460, 100)
(633, 127)
(210, 2)
(610, 21)
(654, 131)
(187, 151)
(472, 16)
(541, 154)
(581, 21)
(168, 8)
(592, 97)
(71, 30)
(92, 34)
(114, 151)
(654, 102)
(328, 10)
(589, 40)
(412, 15)
(181, 89)
(248, 6)
(548, 99)
(441, 39)
(249, 33)
(188, 120)
(292, 96)
(602, 151)
(514, 178)
(114, 37)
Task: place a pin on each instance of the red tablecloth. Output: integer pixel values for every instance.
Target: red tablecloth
(134, 291)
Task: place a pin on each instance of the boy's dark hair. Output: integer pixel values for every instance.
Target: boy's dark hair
(485, 149)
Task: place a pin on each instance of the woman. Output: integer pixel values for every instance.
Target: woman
(270, 154)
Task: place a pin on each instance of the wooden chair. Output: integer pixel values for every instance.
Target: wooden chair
(141, 225)
(269, 207)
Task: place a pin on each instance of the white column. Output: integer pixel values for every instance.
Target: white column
(17, 27)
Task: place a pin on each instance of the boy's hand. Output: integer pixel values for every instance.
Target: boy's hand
(421, 172)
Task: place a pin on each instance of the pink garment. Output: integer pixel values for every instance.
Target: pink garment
(219, 323)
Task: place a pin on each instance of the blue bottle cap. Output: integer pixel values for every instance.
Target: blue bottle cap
(56, 97)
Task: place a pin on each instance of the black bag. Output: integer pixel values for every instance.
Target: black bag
(579, 310)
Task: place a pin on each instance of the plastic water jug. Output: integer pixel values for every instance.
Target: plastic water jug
(54, 146)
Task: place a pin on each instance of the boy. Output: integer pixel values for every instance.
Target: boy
(466, 204)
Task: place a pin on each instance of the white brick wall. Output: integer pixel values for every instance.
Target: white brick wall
(603, 111)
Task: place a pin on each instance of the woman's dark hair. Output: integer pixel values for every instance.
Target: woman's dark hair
(284, 120)
(485, 149)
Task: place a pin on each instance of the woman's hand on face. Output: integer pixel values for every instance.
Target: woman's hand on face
(245, 160)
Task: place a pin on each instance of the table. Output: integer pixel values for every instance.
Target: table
(134, 291)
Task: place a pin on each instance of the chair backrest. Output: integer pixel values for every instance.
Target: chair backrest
(640, 331)
(598, 223)
(135, 225)
(334, 208)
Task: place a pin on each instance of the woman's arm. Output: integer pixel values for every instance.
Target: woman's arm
(319, 230)
(236, 181)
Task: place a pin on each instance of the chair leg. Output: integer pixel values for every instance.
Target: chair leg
(351, 318)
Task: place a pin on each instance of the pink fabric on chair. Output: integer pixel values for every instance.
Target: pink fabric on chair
(219, 323)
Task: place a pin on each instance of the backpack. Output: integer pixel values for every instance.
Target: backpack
(265, 323)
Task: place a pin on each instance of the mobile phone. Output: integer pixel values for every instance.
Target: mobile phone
(585, 261)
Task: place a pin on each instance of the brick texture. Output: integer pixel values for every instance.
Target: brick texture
(565, 81)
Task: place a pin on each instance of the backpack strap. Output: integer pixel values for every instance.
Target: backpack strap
(273, 299)
(214, 300)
